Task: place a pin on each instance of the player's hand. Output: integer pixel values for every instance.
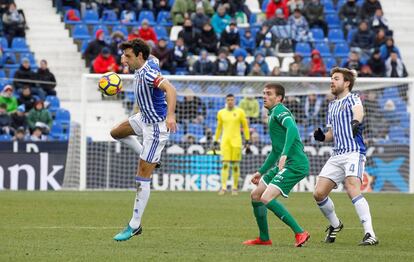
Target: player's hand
(247, 148)
(319, 135)
(355, 127)
(282, 162)
(171, 124)
(256, 178)
(215, 147)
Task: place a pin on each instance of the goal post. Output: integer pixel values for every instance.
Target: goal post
(187, 162)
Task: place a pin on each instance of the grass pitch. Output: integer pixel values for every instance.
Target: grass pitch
(191, 226)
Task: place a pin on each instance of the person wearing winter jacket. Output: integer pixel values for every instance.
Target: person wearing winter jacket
(44, 74)
(105, 62)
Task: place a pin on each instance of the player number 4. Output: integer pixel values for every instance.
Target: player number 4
(352, 168)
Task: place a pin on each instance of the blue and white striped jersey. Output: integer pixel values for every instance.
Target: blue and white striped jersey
(339, 119)
(150, 99)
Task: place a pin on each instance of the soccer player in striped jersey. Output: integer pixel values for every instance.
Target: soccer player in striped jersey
(156, 98)
(345, 115)
(274, 180)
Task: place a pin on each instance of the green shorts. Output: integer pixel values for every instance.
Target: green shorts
(284, 180)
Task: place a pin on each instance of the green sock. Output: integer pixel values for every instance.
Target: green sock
(260, 212)
(284, 215)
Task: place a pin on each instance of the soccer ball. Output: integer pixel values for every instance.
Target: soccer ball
(110, 84)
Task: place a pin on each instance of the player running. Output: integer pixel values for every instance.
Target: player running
(293, 166)
(229, 120)
(347, 162)
(156, 98)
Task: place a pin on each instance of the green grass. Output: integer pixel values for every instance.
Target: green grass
(196, 226)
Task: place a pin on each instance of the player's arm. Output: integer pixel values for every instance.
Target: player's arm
(219, 127)
(171, 97)
(268, 163)
(245, 126)
(358, 113)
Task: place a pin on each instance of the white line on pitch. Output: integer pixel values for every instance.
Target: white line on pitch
(152, 228)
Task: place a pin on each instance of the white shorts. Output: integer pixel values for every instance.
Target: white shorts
(154, 137)
(338, 167)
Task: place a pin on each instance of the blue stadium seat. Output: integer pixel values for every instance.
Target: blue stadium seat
(132, 22)
(304, 49)
(145, 14)
(323, 48)
(121, 28)
(2, 74)
(341, 50)
(109, 17)
(195, 87)
(336, 36)
(85, 45)
(398, 134)
(195, 129)
(317, 34)
(9, 58)
(164, 19)
(5, 138)
(259, 128)
(233, 89)
(330, 63)
(214, 89)
(4, 44)
(177, 136)
(29, 56)
(62, 116)
(19, 45)
(80, 31)
(97, 27)
(56, 128)
(332, 20)
(12, 71)
(53, 101)
(165, 72)
(161, 32)
(91, 17)
(264, 5)
(351, 34)
(69, 22)
(328, 7)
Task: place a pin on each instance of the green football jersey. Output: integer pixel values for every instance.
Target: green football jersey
(285, 139)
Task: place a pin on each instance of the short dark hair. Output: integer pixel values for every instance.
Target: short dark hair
(138, 45)
(279, 89)
(229, 95)
(349, 75)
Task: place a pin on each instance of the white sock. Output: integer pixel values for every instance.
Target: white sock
(133, 143)
(328, 209)
(141, 200)
(362, 209)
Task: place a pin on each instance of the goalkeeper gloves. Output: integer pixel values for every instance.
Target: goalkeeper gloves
(355, 127)
(247, 147)
(319, 135)
(216, 146)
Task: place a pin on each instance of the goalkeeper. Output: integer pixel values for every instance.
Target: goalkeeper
(273, 181)
(229, 120)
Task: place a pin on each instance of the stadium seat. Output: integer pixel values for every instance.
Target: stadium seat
(53, 101)
(303, 48)
(91, 17)
(164, 19)
(330, 63)
(174, 32)
(121, 28)
(12, 71)
(195, 129)
(323, 48)
(145, 14)
(234, 89)
(160, 31)
(19, 44)
(214, 89)
(9, 58)
(29, 56)
(341, 50)
(264, 5)
(196, 88)
(253, 6)
(4, 44)
(332, 20)
(2, 74)
(62, 116)
(109, 17)
(272, 61)
(329, 7)
(70, 22)
(285, 64)
(102, 27)
(80, 31)
(317, 34)
(5, 138)
(85, 45)
(259, 129)
(56, 128)
(336, 36)
(351, 35)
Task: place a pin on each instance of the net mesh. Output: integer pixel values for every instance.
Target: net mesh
(188, 162)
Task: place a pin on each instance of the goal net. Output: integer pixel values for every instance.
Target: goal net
(96, 161)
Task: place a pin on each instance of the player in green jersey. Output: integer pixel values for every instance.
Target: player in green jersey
(292, 166)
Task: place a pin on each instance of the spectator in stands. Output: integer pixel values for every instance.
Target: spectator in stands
(248, 42)
(144, 4)
(203, 66)
(39, 116)
(25, 75)
(313, 12)
(208, 136)
(264, 33)
(372, 120)
(220, 20)
(71, 15)
(19, 119)
(44, 74)
(349, 15)
(312, 108)
(295, 4)
(37, 134)
(316, 66)
(191, 110)
(134, 33)
(353, 62)
(294, 69)
(117, 37)
(230, 38)
(179, 55)
(267, 46)
(183, 9)
(5, 120)
(394, 66)
(20, 135)
(14, 23)
(222, 65)
(389, 47)
(278, 19)
(240, 67)
(147, 33)
(199, 18)
(191, 36)
(379, 21)
(105, 62)
(256, 69)
(88, 5)
(232, 7)
(363, 39)
(128, 14)
(276, 71)
(94, 48)
(273, 5)
(379, 38)
(368, 8)
(295, 106)
(376, 64)
(208, 39)
(300, 27)
(163, 53)
(7, 98)
(303, 68)
(161, 5)
(260, 59)
(26, 98)
(250, 106)
(366, 71)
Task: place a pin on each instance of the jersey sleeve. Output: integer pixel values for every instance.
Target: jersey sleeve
(355, 100)
(154, 78)
(245, 125)
(219, 126)
(328, 117)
